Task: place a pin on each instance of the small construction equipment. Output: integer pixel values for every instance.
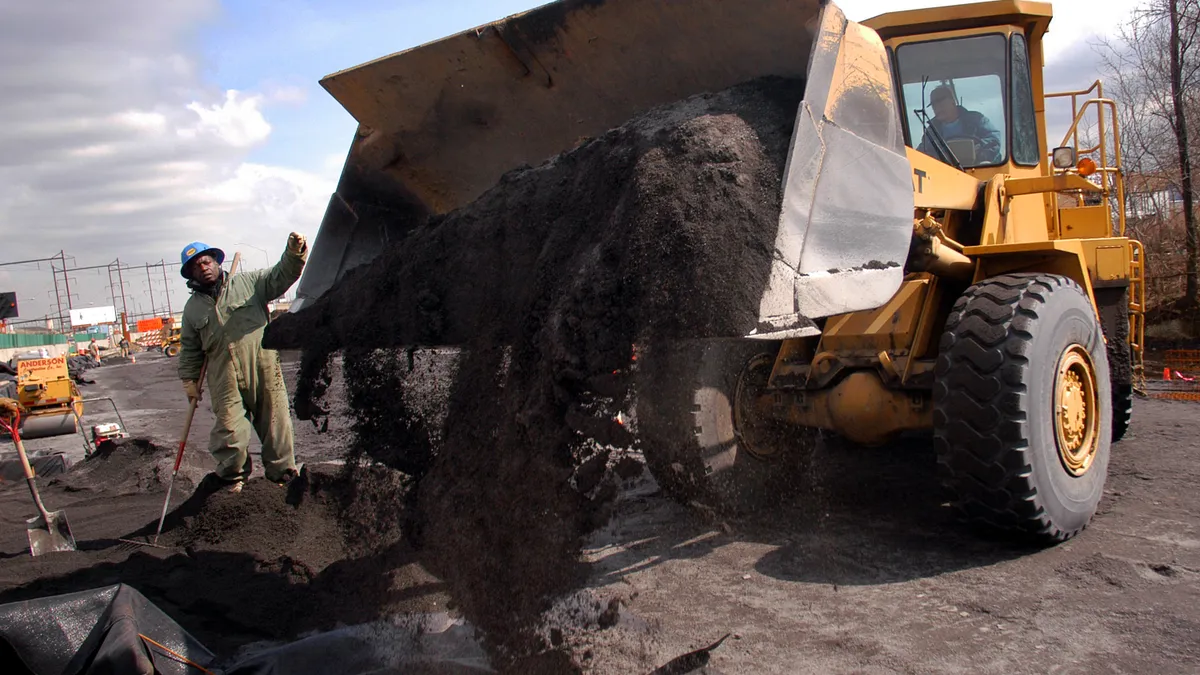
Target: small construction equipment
(49, 531)
(171, 338)
(111, 431)
(46, 390)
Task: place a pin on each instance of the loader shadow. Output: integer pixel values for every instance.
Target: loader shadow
(866, 516)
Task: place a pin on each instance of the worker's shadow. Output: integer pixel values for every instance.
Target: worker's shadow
(863, 516)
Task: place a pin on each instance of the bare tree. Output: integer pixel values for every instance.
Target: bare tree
(1155, 67)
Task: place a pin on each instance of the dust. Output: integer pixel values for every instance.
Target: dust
(659, 229)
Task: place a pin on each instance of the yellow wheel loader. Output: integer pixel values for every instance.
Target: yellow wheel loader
(940, 265)
(171, 338)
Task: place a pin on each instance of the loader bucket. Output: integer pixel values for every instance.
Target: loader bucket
(441, 123)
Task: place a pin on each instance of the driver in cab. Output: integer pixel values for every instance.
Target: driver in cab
(953, 121)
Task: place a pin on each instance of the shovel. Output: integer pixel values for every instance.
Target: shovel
(49, 531)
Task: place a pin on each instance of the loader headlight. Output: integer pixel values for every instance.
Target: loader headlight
(1064, 158)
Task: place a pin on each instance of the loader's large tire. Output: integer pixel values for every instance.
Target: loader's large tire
(1113, 304)
(1012, 346)
(171, 350)
(1122, 404)
(697, 444)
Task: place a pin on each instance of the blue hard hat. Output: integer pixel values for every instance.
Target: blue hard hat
(194, 249)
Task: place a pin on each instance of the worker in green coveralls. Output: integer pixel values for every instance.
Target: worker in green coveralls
(224, 320)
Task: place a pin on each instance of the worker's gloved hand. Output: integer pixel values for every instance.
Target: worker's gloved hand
(192, 389)
(10, 407)
(296, 244)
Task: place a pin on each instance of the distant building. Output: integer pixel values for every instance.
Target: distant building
(1152, 195)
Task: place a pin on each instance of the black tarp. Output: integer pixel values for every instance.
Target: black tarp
(44, 466)
(95, 632)
(99, 632)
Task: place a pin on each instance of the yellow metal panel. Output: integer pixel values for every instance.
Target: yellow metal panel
(43, 370)
(924, 339)
(1040, 184)
(1019, 256)
(961, 17)
(890, 327)
(1026, 220)
(1110, 262)
(1064, 257)
(1052, 247)
(993, 204)
(1084, 222)
(937, 185)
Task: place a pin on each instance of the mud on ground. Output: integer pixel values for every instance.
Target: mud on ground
(268, 563)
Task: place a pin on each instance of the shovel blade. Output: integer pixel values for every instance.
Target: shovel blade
(50, 537)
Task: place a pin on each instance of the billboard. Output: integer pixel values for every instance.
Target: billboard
(90, 316)
(8, 305)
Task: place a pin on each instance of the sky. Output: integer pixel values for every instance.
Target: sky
(133, 127)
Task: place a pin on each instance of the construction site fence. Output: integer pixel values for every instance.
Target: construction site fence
(35, 340)
(1180, 377)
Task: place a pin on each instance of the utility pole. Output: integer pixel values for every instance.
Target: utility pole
(121, 280)
(62, 327)
(66, 281)
(150, 287)
(111, 287)
(166, 287)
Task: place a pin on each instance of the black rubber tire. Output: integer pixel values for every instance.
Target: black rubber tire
(171, 350)
(1113, 304)
(994, 406)
(1122, 405)
(685, 425)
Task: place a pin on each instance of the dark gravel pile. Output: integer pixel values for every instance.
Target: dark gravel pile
(659, 229)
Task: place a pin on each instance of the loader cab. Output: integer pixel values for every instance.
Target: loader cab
(969, 82)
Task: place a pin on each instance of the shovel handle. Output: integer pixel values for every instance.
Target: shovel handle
(29, 475)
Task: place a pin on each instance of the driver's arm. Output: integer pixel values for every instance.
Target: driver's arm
(989, 139)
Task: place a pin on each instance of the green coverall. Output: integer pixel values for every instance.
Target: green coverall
(244, 381)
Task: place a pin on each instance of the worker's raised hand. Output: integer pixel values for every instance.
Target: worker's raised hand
(296, 244)
(192, 389)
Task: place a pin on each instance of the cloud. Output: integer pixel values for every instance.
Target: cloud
(237, 121)
(115, 146)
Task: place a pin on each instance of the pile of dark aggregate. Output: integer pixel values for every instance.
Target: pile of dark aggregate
(661, 229)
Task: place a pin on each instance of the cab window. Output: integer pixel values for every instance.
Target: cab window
(954, 94)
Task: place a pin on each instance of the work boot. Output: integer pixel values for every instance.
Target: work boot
(288, 475)
(220, 482)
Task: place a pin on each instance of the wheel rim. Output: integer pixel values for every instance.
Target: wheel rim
(1076, 413)
(761, 438)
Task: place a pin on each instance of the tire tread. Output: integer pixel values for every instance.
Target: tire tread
(981, 405)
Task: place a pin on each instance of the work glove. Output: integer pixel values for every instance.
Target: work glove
(296, 244)
(10, 407)
(192, 389)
